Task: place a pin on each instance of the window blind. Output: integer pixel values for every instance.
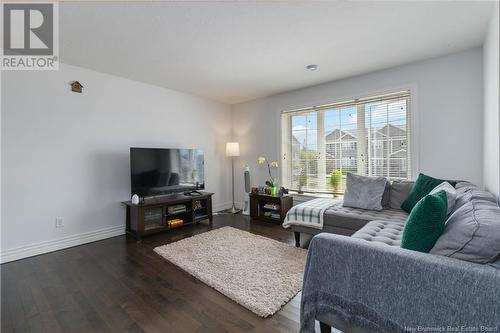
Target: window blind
(367, 136)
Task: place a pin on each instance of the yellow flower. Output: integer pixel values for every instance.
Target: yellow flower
(274, 164)
(261, 160)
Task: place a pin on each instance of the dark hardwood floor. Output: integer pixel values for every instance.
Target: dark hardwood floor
(120, 285)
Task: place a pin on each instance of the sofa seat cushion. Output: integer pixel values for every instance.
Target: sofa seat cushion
(385, 232)
(356, 218)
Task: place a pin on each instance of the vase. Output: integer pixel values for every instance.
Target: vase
(273, 190)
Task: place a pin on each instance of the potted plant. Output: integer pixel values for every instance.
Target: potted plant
(335, 180)
(271, 183)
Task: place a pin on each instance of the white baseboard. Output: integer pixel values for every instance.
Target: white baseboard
(222, 206)
(74, 240)
(226, 206)
(59, 244)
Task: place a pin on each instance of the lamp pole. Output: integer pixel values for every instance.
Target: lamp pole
(233, 210)
(232, 150)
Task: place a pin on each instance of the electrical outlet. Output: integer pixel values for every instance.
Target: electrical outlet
(59, 222)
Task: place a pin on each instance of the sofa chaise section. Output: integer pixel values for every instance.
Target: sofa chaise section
(365, 286)
(342, 220)
(346, 221)
(368, 283)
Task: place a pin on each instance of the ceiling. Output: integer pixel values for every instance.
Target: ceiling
(238, 51)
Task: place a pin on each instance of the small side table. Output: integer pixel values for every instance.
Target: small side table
(275, 215)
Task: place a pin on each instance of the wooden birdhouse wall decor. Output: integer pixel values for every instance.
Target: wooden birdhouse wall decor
(76, 86)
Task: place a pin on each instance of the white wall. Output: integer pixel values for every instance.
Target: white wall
(491, 106)
(448, 105)
(67, 154)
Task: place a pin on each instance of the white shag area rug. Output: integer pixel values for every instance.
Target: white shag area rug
(259, 273)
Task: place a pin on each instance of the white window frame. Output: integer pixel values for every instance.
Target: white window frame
(412, 89)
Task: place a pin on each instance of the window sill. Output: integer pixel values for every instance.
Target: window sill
(302, 197)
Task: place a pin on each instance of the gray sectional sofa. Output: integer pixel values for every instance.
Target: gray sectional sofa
(368, 283)
(346, 221)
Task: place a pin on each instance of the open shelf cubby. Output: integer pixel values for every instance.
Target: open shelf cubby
(269, 208)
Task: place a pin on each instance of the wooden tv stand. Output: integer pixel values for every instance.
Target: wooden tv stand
(152, 215)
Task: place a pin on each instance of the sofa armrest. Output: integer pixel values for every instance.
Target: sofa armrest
(388, 289)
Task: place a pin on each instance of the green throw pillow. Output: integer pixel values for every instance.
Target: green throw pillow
(423, 186)
(425, 223)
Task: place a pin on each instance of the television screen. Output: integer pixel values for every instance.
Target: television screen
(157, 171)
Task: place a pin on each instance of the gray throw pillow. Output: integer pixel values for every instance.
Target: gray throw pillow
(364, 192)
(472, 231)
(451, 194)
(386, 197)
(399, 192)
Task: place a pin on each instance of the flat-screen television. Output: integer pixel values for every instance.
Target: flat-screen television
(158, 171)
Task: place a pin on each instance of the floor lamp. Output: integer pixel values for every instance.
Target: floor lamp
(233, 150)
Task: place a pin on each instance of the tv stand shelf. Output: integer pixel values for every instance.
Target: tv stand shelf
(152, 216)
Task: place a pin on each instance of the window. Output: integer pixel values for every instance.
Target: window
(368, 136)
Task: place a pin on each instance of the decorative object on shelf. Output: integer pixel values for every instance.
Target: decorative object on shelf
(197, 205)
(336, 181)
(135, 199)
(273, 190)
(76, 87)
(282, 191)
(233, 150)
(271, 183)
(255, 190)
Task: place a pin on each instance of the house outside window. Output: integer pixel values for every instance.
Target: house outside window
(369, 136)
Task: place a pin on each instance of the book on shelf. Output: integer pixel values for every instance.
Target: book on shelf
(273, 206)
(174, 222)
(199, 216)
(177, 209)
(272, 215)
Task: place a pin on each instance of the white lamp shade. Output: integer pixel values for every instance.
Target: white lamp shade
(232, 149)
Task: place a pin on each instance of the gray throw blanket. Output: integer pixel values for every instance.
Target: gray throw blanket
(383, 288)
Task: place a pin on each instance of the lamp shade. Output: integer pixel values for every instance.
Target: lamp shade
(232, 149)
